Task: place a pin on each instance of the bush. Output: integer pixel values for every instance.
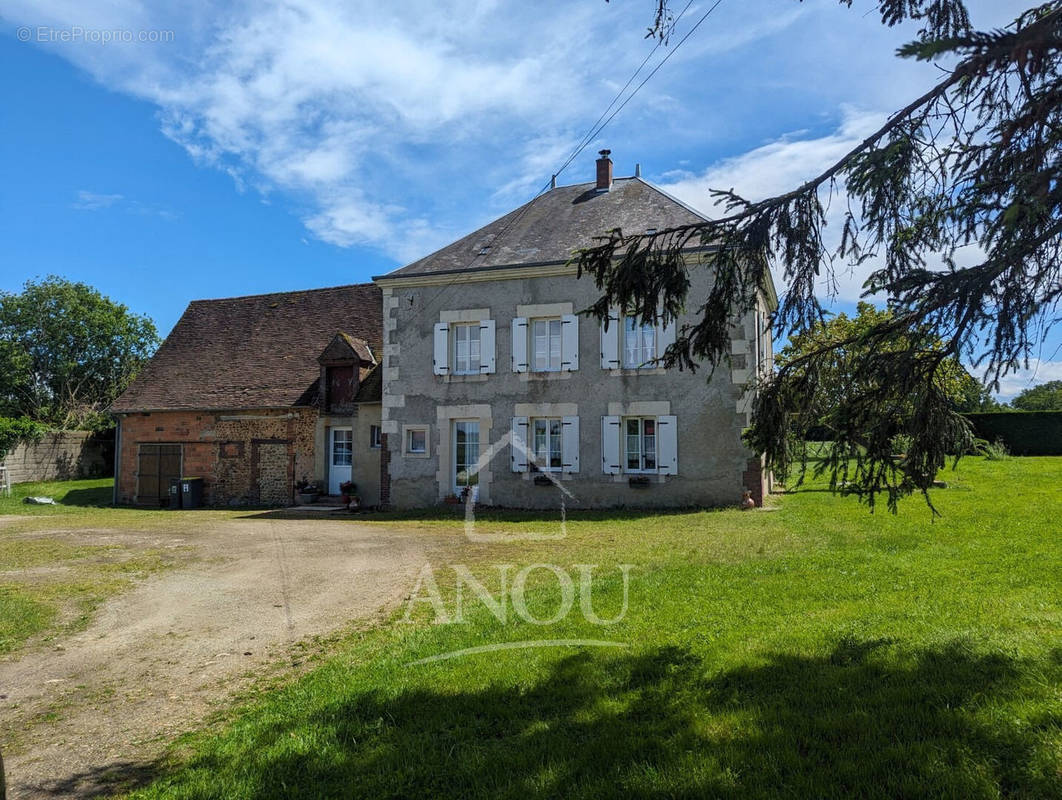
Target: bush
(1024, 433)
(993, 451)
(15, 430)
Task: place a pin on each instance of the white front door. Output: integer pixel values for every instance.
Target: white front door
(340, 457)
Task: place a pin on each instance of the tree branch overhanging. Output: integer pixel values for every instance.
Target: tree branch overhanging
(969, 167)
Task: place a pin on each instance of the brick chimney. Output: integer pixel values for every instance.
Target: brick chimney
(604, 171)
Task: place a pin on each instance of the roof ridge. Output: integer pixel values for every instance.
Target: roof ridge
(365, 285)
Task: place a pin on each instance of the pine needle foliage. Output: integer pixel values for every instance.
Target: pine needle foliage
(970, 167)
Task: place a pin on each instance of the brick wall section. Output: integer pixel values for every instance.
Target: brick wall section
(754, 479)
(385, 473)
(61, 457)
(227, 450)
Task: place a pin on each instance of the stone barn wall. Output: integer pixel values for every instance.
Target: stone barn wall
(245, 458)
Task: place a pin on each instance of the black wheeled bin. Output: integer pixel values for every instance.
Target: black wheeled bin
(175, 494)
(191, 492)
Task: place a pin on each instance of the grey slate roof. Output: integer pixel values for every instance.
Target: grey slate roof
(550, 227)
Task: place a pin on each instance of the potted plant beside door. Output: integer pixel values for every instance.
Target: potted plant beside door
(346, 489)
(306, 492)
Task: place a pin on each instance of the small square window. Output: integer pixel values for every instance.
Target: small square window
(418, 441)
(415, 441)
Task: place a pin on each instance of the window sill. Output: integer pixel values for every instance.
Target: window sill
(641, 477)
(472, 377)
(545, 376)
(636, 371)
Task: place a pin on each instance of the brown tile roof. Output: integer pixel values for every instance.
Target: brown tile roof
(253, 352)
(370, 390)
(550, 227)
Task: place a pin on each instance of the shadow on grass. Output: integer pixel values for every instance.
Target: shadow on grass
(860, 721)
(98, 497)
(483, 514)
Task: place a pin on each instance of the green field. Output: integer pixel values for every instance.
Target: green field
(812, 651)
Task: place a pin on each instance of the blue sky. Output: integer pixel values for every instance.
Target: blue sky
(264, 146)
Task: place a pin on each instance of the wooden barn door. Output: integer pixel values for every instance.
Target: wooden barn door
(158, 464)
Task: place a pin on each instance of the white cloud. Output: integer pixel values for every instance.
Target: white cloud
(93, 201)
(780, 166)
(398, 125)
(1038, 372)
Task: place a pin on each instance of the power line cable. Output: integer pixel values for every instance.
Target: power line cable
(594, 131)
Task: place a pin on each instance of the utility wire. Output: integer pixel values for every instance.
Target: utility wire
(591, 134)
(600, 127)
(588, 137)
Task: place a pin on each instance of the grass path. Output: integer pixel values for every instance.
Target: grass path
(813, 651)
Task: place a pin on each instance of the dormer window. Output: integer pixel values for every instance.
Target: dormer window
(339, 386)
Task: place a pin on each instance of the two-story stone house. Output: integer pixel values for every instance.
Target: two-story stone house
(495, 386)
(469, 371)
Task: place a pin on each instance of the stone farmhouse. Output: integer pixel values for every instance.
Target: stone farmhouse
(468, 373)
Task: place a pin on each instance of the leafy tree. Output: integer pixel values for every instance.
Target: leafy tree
(843, 337)
(66, 352)
(973, 163)
(1044, 397)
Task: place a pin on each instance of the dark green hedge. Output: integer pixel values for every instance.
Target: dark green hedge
(1025, 433)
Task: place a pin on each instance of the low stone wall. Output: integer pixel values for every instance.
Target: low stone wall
(61, 457)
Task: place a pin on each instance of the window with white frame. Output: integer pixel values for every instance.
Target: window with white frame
(464, 348)
(639, 343)
(547, 444)
(466, 454)
(465, 357)
(374, 436)
(417, 441)
(342, 447)
(627, 343)
(639, 440)
(639, 444)
(546, 345)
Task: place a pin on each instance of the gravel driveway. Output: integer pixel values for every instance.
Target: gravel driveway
(93, 711)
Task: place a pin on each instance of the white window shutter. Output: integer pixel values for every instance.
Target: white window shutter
(570, 444)
(665, 338)
(569, 343)
(667, 445)
(441, 353)
(488, 363)
(610, 445)
(518, 444)
(610, 341)
(520, 344)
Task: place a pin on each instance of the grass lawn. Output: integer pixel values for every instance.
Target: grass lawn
(49, 586)
(812, 651)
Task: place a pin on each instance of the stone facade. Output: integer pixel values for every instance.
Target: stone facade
(710, 412)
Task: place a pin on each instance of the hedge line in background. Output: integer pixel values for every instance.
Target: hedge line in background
(1025, 433)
